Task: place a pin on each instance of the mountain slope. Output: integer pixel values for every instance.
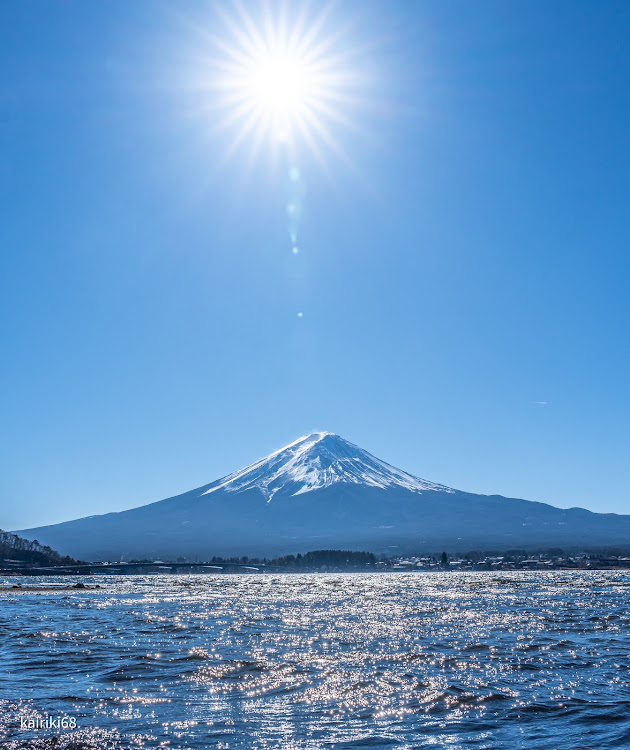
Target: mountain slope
(323, 492)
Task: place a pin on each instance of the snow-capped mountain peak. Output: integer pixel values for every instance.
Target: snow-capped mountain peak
(319, 460)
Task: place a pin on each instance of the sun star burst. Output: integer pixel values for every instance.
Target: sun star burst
(281, 80)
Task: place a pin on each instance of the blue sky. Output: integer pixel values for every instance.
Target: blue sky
(462, 271)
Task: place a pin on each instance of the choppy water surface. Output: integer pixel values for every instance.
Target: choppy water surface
(453, 660)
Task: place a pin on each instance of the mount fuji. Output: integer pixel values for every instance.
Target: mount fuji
(323, 492)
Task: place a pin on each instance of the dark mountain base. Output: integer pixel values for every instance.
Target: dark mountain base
(196, 526)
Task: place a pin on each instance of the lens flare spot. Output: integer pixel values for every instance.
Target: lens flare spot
(300, 315)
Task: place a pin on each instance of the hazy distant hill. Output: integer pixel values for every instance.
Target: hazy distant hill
(323, 492)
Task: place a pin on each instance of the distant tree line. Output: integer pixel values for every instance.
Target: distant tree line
(13, 547)
(317, 559)
(330, 558)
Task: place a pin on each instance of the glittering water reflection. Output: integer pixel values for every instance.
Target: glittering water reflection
(532, 660)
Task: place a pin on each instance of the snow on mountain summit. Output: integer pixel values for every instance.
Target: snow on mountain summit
(319, 460)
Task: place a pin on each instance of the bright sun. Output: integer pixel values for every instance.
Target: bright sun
(281, 90)
(281, 83)
(287, 80)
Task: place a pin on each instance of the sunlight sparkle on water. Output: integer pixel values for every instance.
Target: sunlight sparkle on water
(459, 660)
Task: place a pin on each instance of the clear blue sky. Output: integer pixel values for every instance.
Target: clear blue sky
(464, 258)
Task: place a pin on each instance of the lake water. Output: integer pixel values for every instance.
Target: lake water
(411, 660)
